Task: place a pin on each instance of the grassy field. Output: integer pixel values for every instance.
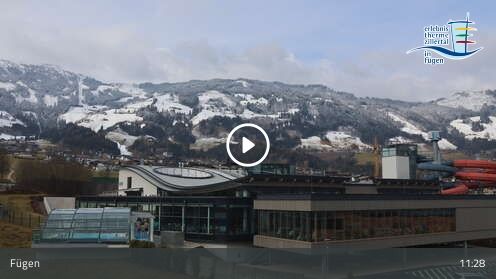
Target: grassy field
(363, 158)
(18, 202)
(13, 236)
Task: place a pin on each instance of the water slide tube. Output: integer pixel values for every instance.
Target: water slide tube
(442, 168)
(474, 164)
(460, 189)
(436, 167)
(480, 176)
(481, 170)
(474, 171)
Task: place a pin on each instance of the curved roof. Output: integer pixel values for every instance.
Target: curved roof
(93, 225)
(189, 180)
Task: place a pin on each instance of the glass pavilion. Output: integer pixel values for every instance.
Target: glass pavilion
(88, 225)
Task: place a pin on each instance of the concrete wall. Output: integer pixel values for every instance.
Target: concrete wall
(374, 243)
(475, 219)
(136, 182)
(396, 167)
(52, 203)
(333, 205)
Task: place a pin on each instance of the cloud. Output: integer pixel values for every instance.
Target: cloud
(119, 52)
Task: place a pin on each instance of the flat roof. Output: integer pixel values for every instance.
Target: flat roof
(364, 197)
(169, 199)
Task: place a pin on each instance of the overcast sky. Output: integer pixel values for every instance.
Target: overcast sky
(353, 46)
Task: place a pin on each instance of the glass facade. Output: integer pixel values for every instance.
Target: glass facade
(93, 225)
(203, 217)
(320, 226)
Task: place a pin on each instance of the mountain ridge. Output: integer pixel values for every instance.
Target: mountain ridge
(37, 98)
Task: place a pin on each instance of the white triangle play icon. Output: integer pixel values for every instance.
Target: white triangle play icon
(246, 145)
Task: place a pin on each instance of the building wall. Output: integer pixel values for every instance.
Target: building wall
(136, 182)
(376, 243)
(396, 167)
(321, 205)
(52, 203)
(474, 220)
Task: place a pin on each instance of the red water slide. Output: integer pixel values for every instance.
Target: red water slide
(476, 170)
(474, 164)
(457, 190)
(473, 171)
(476, 176)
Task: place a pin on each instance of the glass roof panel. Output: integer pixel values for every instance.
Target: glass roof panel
(87, 225)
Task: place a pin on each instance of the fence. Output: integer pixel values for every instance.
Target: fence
(21, 218)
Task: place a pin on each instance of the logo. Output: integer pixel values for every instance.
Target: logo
(450, 41)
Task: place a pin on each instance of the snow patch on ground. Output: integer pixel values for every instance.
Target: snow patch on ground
(248, 114)
(163, 103)
(7, 86)
(213, 103)
(169, 102)
(408, 127)
(249, 99)
(444, 144)
(334, 141)
(50, 101)
(206, 99)
(7, 120)
(81, 88)
(243, 83)
(411, 129)
(342, 140)
(133, 107)
(106, 119)
(465, 127)
(20, 98)
(75, 114)
(207, 114)
(121, 137)
(314, 143)
(400, 139)
(469, 100)
(101, 89)
(293, 110)
(96, 117)
(123, 141)
(123, 150)
(132, 89)
(4, 136)
(207, 143)
(125, 99)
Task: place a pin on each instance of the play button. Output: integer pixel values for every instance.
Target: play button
(247, 145)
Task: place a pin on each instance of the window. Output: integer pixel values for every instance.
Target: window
(348, 225)
(93, 225)
(129, 182)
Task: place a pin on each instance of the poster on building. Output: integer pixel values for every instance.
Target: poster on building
(142, 229)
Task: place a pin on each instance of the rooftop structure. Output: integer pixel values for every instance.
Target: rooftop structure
(399, 161)
(152, 180)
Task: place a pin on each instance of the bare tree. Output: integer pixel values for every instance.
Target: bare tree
(4, 163)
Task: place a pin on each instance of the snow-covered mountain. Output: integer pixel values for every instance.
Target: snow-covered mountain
(38, 98)
(474, 100)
